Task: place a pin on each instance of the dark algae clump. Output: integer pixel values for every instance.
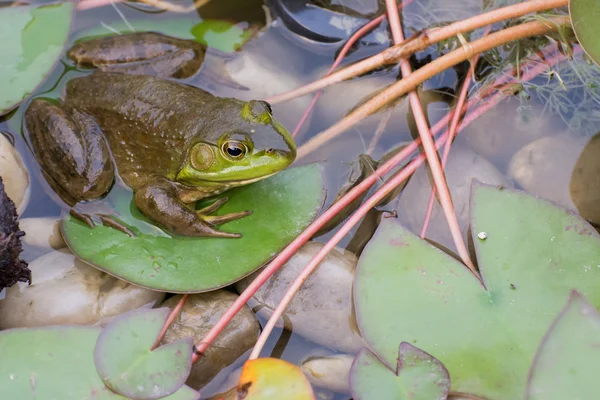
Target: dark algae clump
(12, 269)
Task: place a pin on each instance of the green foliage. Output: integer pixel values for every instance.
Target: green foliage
(58, 362)
(534, 254)
(32, 40)
(417, 376)
(283, 206)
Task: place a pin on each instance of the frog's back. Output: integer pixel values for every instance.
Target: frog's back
(150, 123)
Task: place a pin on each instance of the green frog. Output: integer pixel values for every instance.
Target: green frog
(170, 143)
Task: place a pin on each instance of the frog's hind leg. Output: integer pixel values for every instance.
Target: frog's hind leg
(72, 153)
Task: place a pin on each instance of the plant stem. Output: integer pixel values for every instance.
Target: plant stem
(458, 112)
(430, 150)
(420, 42)
(433, 68)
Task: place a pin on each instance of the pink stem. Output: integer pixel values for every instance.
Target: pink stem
(353, 39)
(458, 112)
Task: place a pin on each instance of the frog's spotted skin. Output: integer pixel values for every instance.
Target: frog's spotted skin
(172, 144)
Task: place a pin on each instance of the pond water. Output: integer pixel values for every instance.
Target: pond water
(530, 141)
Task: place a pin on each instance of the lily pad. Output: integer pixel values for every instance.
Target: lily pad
(56, 363)
(273, 379)
(568, 359)
(128, 366)
(417, 376)
(33, 38)
(283, 205)
(585, 15)
(533, 254)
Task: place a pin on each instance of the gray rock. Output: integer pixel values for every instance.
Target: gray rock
(67, 291)
(322, 310)
(199, 314)
(14, 175)
(544, 167)
(330, 372)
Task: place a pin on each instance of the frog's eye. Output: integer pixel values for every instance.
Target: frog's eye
(234, 149)
(267, 106)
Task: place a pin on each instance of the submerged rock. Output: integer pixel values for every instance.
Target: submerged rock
(507, 127)
(42, 233)
(462, 167)
(322, 310)
(330, 372)
(67, 291)
(14, 174)
(197, 317)
(544, 167)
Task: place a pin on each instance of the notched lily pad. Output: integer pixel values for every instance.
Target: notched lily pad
(283, 205)
(128, 366)
(567, 361)
(33, 38)
(533, 254)
(585, 15)
(417, 376)
(273, 379)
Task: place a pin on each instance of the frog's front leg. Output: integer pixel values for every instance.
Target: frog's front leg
(141, 53)
(73, 156)
(161, 201)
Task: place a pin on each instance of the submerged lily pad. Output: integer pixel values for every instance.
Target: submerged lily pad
(32, 40)
(568, 359)
(416, 376)
(585, 15)
(533, 254)
(283, 205)
(128, 365)
(56, 363)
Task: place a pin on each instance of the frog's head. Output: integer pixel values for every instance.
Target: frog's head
(252, 146)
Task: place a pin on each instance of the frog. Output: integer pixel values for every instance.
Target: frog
(133, 122)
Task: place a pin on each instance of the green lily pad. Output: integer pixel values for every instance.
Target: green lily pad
(56, 363)
(283, 205)
(416, 376)
(534, 254)
(128, 366)
(568, 359)
(585, 15)
(33, 38)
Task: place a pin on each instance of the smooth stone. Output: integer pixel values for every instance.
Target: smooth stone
(330, 372)
(462, 167)
(197, 317)
(544, 168)
(585, 185)
(283, 72)
(322, 310)
(43, 233)
(506, 128)
(14, 175)
(342, 98)
(67, 291)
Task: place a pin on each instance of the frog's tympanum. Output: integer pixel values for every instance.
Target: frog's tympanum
(171, 143)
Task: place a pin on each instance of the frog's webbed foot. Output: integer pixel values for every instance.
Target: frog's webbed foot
(220, 219)
(160, 203)
(105, 219)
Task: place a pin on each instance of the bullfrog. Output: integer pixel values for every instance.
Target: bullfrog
(172, 144)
